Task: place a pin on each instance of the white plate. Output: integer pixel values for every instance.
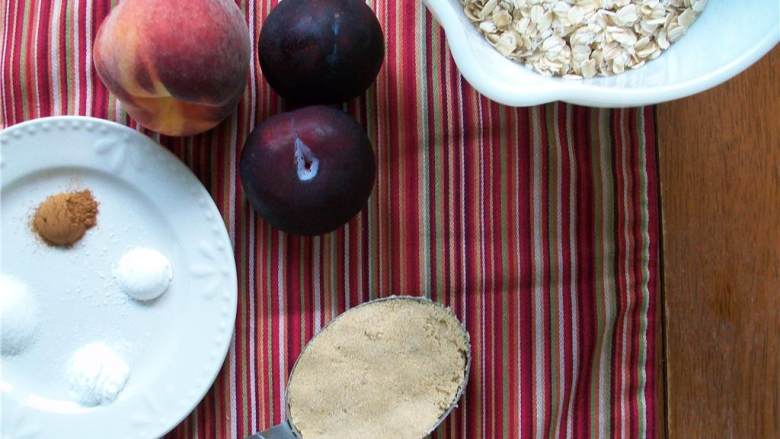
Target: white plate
(174, 346)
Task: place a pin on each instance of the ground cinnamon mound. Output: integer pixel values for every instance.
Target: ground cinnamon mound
(63, 219)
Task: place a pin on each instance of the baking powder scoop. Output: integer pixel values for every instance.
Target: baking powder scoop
(391, 368)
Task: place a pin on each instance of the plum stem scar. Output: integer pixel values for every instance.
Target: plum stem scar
(306, 162)
(332, 57)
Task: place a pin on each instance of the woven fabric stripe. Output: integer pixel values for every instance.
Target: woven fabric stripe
(538, 226)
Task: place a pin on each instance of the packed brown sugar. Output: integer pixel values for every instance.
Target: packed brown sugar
(389, 369)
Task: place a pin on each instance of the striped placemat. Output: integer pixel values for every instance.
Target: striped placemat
(538, 226)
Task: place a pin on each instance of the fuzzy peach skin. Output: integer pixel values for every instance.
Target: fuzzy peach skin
(178, 66)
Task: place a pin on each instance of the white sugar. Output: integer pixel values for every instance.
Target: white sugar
(18, 315)
(96, 374)
(144, 274)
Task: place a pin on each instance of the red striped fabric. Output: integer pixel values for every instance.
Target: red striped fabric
(538, 226)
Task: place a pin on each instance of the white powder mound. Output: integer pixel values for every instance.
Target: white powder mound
(18, 315)
(96, 374)
(144, 274)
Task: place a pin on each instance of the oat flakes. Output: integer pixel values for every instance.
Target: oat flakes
(582, 38)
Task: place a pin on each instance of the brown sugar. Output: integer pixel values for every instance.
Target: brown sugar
(386, 370)
(63, 219)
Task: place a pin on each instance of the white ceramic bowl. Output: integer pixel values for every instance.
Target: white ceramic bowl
(728, 37)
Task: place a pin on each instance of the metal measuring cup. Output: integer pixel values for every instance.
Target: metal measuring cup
(287, 430)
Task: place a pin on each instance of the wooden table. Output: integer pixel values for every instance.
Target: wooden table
(720, 180)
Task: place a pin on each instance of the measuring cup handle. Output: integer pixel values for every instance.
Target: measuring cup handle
(281, 431)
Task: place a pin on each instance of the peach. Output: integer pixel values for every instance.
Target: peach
(179, 67)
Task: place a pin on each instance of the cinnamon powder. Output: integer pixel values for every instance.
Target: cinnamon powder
(63, 219)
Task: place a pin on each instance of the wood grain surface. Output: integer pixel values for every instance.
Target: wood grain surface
(720, 179)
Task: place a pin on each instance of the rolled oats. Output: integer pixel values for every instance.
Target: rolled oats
(582, 38)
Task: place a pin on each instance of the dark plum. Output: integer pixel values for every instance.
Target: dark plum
(321, 51)
(309, 171)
